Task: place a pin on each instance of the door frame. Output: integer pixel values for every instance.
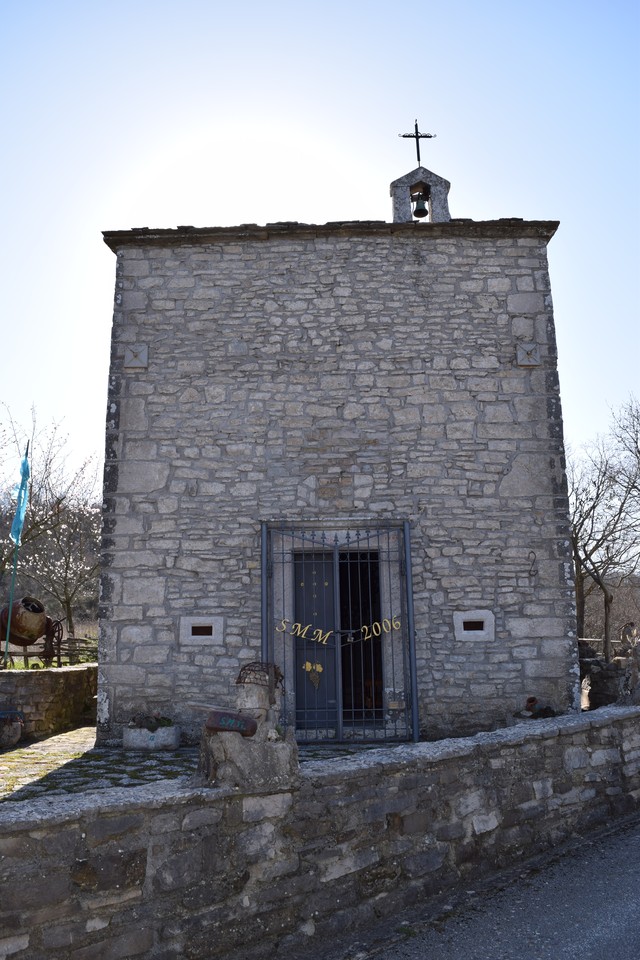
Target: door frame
(281, 540)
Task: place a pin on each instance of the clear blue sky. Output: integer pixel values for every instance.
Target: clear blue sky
(135, 113)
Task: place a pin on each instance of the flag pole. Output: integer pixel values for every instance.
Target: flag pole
(13, 584)
(16, 531)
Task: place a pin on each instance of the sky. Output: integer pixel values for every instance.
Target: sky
(133, 113)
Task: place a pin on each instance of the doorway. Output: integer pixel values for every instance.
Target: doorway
(338, 625)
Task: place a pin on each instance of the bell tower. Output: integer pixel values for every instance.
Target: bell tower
(420, 194)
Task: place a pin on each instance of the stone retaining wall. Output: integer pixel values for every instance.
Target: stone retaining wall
(165, 872)
(52, 700)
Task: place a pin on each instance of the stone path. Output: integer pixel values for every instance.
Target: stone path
(70, 763)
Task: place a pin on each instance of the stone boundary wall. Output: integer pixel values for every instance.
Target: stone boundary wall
(168, 872)
(53, 699)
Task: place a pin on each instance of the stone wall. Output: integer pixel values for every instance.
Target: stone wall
(52, 700)
(166, 873)
(374, 372)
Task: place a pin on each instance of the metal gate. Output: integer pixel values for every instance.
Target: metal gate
(337, 619)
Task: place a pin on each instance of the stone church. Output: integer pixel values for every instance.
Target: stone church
(337, 448)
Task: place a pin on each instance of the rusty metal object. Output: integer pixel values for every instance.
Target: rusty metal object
(227, 721)
(264, 674)
(30, 625)
(28, 620)
(52, 640)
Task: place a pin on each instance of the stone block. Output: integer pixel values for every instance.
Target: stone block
(526, 303)
(176, 870)
(499, 284)
(140, 477)
(420, 864)
(164, 738)
(110, 870)
(124, 675)
(262, 808)
(485, 823)
(576, 758)
(151, 654)
(137, 940)
(15, 944)
(348, 863)
(201, 818)
(133, 300)
(469, 802)
(143, 590)
(545, 669)
(605, 757)
(110, 828)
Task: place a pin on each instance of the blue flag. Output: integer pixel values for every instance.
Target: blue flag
(23, 496)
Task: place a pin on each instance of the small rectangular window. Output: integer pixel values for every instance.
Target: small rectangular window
(199, 633)
(474, 626)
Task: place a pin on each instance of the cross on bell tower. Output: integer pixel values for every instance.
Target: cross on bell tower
(417, 136)
(426, 191)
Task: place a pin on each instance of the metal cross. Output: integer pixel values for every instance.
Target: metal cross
(418, 137)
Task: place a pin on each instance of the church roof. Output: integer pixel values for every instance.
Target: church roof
(188, 235)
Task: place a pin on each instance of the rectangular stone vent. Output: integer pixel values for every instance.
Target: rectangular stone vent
(474, 625)
(201, 631)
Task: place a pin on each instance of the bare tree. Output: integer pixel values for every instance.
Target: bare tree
(627, 436)
(60, 537)
(47, 473)
(65, 563)
(603, 492)
(625, 608)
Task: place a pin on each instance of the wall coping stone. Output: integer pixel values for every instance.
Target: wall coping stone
(155, 796)
(63, 809)
(68, 668)
(188, 236)
(389, 758)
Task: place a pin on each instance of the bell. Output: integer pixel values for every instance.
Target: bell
(420, 209)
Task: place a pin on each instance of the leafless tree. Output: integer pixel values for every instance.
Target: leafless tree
(65, 563)
(603, 491)
(626, 432)
(47, 470)
(60, 538)
(625, 608)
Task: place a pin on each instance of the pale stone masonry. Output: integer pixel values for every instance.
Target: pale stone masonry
(344, 374)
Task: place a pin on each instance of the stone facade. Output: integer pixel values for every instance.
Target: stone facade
(167, 872)
(350, 373)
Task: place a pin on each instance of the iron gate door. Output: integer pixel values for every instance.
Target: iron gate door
(338, 622)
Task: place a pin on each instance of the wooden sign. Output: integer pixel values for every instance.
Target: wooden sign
(225, 720)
